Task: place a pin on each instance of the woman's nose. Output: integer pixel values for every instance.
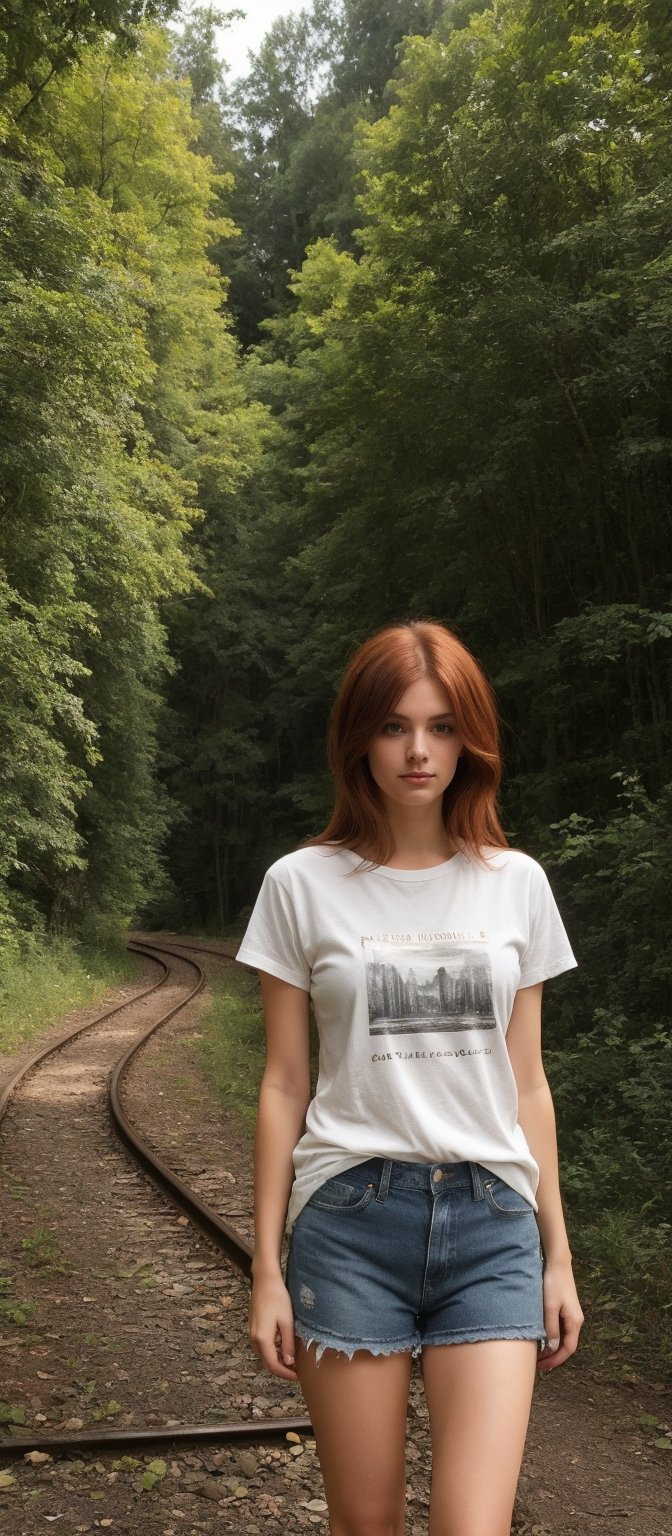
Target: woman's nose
(417, 747)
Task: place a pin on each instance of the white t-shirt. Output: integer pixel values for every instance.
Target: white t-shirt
(412, 976)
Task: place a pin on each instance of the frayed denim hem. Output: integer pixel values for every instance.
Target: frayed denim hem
(484, 1334)
(349, 1346)
(413, 1346)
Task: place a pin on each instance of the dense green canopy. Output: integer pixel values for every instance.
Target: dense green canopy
(122, 408)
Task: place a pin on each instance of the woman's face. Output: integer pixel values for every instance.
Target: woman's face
(414, 755)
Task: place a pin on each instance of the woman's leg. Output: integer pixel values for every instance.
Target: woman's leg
(479, 1398)
(358, 1409)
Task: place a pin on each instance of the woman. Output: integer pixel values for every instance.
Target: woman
(420, 1185)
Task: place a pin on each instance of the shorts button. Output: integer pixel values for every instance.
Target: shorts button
(437, 1175)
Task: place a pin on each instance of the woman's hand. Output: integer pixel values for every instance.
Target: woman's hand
(563, 1318)
(272, 1325)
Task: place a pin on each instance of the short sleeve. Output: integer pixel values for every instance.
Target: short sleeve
(272, 941)
(548, 951)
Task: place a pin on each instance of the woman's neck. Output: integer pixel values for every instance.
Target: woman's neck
(419, 842)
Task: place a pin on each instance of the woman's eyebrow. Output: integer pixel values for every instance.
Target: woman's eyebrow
(446, 714)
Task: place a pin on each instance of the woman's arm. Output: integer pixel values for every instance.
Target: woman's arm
(563, 1317)
(283, 1100)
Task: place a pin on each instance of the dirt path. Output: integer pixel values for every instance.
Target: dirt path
(138, 1321)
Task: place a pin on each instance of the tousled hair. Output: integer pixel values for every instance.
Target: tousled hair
(376, 677)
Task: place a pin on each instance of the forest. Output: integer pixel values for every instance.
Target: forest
(381, 330)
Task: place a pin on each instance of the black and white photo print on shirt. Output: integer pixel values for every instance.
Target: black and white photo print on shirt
(421, 988)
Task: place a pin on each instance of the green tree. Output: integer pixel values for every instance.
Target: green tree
(293, 122)
(38, 40)
(124, 417)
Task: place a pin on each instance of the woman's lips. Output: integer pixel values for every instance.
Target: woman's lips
(417, 778)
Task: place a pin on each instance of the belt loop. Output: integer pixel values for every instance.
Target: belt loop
(384, 1185)
(477, 1189)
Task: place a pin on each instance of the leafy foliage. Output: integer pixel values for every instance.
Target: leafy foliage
(122, 411)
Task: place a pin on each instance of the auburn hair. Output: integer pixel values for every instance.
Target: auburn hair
(376, 677)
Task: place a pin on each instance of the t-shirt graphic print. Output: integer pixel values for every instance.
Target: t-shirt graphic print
(427, 988)
(412, 975)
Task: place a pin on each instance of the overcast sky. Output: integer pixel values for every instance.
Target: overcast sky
(235, 40)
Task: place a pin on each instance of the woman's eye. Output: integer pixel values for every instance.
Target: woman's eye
(444, 728)
(391, 728)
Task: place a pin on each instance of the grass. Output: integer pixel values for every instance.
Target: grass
(42, 1252)
(14, 1311)
(232, 1048)
(53, 976)
(17, 1190)
(11, 1309)
(622, 1266)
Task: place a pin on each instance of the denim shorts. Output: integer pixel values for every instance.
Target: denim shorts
(391, 1256)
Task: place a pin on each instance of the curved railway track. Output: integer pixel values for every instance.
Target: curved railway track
(225, 1237)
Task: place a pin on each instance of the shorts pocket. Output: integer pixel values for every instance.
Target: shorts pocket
(337, 1195)
(504, 1200)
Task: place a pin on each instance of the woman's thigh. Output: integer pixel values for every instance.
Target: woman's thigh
(478, 1397)
(358, 1411)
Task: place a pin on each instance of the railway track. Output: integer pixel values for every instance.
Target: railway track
(200, 1214)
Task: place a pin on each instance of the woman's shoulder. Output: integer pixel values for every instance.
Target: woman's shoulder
(515, 860)
(311, 860)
